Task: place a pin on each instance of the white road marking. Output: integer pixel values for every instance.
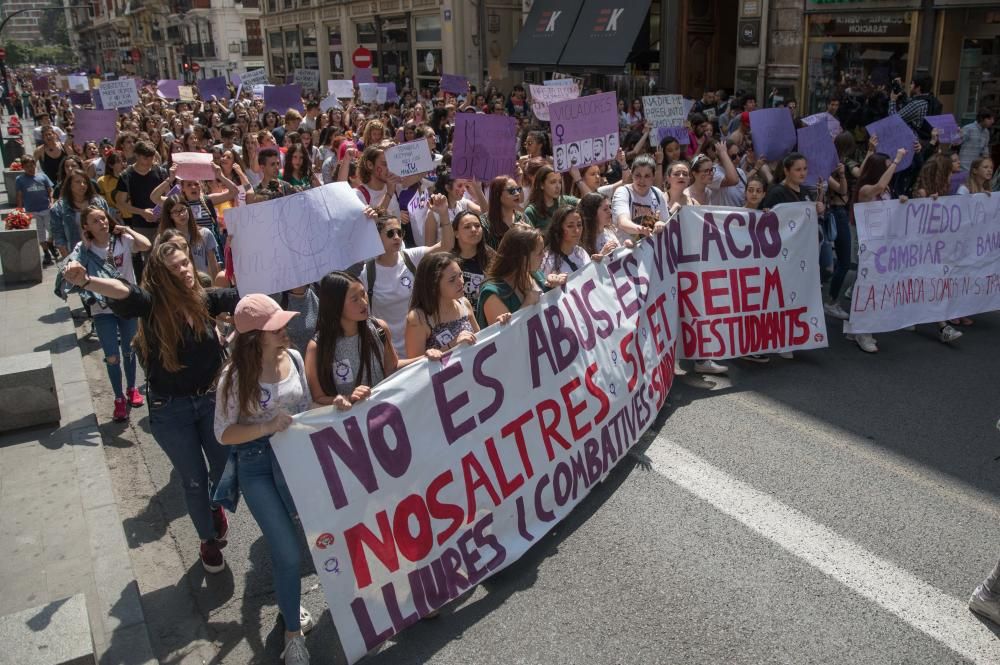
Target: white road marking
(942, 617)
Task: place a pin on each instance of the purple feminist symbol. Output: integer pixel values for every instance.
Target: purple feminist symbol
(645, 333)
(784, 252)
(802, 264)
(864, 272)
(673, 291)
(814, 321)
(614, 357)
(946, 270)
(791, 225)
(792, 296)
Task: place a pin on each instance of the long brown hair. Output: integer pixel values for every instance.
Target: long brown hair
(167, 222)
(935, 176)
(538, 189)
(513, 258)
(494, 213)
(85, 215)
(245, 362)
(484, 253)
(333, 289)
(174, 303)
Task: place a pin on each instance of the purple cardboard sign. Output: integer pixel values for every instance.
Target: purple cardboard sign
(40, 83)
(680, 133)
(821, 155)
(485, 146)
(363, 75)
(893, 133)
(948, 131)
(773, 132)
(80, 98)
(957, 180)
(390, 91)
(455, 84)
(95, 125)
(213, 86)
(168, 88)
(280, 98)
(584, 130)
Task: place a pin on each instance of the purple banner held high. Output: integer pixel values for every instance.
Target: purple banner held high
(95, 125)
(485, 146)
(948, 131)
(584, 130)
(216, 87)
(893, 133)
(455, 84)
(821, 155)
(680, 133)
(773, 132)
(168, 88)
(80, 98)
(280, 98)
(363, 75)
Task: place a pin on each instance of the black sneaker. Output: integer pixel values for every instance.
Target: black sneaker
(46, 260)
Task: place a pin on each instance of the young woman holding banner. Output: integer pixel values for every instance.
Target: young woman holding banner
(472, 252)
(514, 278)
(563, 253)
(440, 316)
(546, 197)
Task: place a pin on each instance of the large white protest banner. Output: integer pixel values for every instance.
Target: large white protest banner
(119, 94)
(925, 260)
(295, 240)
(406, 159)
(307, 78)
(343, 89)
(543, 95)
(748, 282)
(450, 471)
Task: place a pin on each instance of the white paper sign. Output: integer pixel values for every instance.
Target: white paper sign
(78, 83)
(664, 110)
(418, 208)
(119, 94)
(258, 91)
(542, 96)
(185, 93)
(253, 77)
(370, 92)
(330, 102)
(295, 240)
(409, 158)
(925, 261)
(307, 78)
(341, 89)
(566, 81)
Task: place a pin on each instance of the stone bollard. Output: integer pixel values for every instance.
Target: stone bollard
(27, 391)
(20, 255)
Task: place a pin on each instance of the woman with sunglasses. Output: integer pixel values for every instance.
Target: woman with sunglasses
(709, 177)
(504, 210)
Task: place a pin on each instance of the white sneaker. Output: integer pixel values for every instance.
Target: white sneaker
(295, 652)
(306, 622)
(985, 603)
(836, 311)
(709, 367)
(948, 334)
(866, 342)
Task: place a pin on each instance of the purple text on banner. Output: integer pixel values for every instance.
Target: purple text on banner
(680, 133)
(957, 180)
(363, 75)
(280, 98)
(773, 132)
(390, 91)
(948, 131)
(455, 84)
(821, 155)
(213, 86)
(485, 146)
(95, 125)
(40, 83)
(168, 88)
(893, 133)
(80, 98)
(584, 130)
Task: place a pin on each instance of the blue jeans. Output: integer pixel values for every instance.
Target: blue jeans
(116, 335)
(842, 249)
(266, 493)
(183, 427)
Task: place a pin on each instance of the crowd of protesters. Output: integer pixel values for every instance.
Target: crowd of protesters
(151, 258)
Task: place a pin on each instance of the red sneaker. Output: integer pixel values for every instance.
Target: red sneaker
(121, 411)
(221, 523)
(211, 556)
(134, 397)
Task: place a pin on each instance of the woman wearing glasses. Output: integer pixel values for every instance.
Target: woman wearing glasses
(504, 210)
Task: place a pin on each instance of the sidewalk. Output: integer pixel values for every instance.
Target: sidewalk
(62, 533)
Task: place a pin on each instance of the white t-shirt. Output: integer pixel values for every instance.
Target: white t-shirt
(390, 299)
(375, 196)
(121, 258)
(200, 251)
(627, 202)
(733, 195)
(557, 263)
(290, 393)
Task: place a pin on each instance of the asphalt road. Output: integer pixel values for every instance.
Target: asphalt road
(834, 508)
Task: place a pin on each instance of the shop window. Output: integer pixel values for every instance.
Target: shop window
(310, 60)
(292, 40)
(427, 28)
(274, 39)
(337, 62)
(366, 32)
(278, 64)
(309, 37)
(395, 31)
(979, 78)
(333, 35)
(429, 63)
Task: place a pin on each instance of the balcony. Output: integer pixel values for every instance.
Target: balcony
(199, 50)
(252, 48)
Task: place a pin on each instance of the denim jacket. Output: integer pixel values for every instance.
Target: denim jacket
(66, 231)
(96, 267)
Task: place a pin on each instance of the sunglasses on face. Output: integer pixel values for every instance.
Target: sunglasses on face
(513, 191)
(394, 233)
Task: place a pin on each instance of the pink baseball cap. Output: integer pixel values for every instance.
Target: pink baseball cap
(259, 312)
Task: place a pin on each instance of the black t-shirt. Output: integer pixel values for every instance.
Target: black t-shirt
(475, 275)
(139, 188)
(200, 359)
(782, 194)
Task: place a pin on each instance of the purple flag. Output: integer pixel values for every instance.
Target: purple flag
(40, 83)
(948, 131)
(95, 125)
(363, 75)
(893, 133)
(390, 91)
(280, 98)
(680, 133)
(168, 88)
(584, 130)
(773, 132)
(455, 84)
(213, 86)
(821, 155)
(485, 146)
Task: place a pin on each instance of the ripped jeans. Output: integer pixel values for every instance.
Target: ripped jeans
(183, 427)
(116, 336)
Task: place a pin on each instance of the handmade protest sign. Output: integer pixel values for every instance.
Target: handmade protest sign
(213, 87)
(418, 206)
(119, 94)
(295, 240)
(280, 98)
(408, 158)
(948, 131)
(95, 125)
(831, 123)
(368, 92)
(584, 130)
(563, 81)
(748, 282)
(451, 471)
(390, 91)
(455, 84)
(681, 134)
(194, 166)
(664, 110)
(81, 98)
(341, 89)
(253, 77)
(78, 83)
(485, 146)
(185, 93)
(363, 75)
(330, 102)
(893, 133)
(542, 96)
(925, 260)
(773, 132)
(820, 153)
(307, 78)
(168, 88)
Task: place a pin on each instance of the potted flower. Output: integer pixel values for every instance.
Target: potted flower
(16, 220)
(10, 179)
(19, 253)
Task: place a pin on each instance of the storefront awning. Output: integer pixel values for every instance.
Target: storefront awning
(605, 33)
(545, 33)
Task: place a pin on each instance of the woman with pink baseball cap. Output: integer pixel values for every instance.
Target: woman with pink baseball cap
(259, 390)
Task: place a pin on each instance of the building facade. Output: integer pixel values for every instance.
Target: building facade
(24, 27)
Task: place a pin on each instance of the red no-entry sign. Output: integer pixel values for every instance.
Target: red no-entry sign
(362, 58)
(195, 67)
